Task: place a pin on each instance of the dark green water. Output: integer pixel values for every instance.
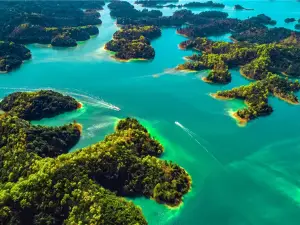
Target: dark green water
(241, 176)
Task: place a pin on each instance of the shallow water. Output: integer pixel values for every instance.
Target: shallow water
(241, 176)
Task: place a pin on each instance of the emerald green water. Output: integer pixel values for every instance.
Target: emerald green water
(241, 176)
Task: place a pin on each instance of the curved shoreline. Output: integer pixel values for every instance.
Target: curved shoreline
(215, 96)
(240, 121)
(286, 100)
(206, 80)
(123, 60)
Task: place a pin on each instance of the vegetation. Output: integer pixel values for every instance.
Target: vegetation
(290, 20)
(82, 187)
(12, 55)
(37, 105)
(123, 9)
(208, 4)
(61, 23)
(256, 95)
(134, 42)
(63, 40)
(239, 7)
(263, 35)
(256, 60)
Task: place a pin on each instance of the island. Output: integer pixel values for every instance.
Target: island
(133, 42)
(256, 95)
(208, 4)
(37, 105)
(289, 20)
(239, 7)
(12, 55)
(255, 60)
(123, 9)
(86, 186)
(58, 23)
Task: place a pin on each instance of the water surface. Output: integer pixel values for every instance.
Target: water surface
(241, 176)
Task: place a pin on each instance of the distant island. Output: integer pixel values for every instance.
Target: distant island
(42, 183)
(56, 23)
(133, 42)
(290, 20)
(239, 7)
(160, 4)
(12, 55)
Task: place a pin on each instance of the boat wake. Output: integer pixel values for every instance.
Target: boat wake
(193, 136)
(81, 96)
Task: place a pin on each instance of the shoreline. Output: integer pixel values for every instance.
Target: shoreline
(180, 204)
(206, 80)
(286, 100)
(79, 105)
(79, 127)
(215, 96)
(123, 60)
(240, 121)
(245, 76)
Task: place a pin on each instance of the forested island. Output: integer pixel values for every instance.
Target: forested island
(161, 4)
(255, 60)
(12, 55)
(37, 105)
(133, 42)
(41, 185)
(239, 7)
(256, 96)
(60, 23)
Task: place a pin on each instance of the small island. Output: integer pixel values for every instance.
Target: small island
(12, 55)
(38, 105)
(239, 7)
(133, 42)
(256, 95)
(208, 4)
(85, 186)
(290, 20)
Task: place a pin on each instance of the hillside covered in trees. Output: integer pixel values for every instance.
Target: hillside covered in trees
(12, 55)
(133, 42)
(41, 185)
(60, 23)
(255, 60)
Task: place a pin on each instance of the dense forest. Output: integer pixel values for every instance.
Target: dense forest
(133, 42)
(60, 23)
(38, 105)
(256, 95)
(255, 60)
(12, 55)
(42, 185)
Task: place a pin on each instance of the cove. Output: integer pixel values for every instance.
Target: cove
(246, 175)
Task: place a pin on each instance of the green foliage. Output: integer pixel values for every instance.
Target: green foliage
(37, 105)
(256, 95)
(82, 187)
(12, 55)
(132, 42)
(256, 60)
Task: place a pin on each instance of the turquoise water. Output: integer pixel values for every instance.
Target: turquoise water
(241, 175)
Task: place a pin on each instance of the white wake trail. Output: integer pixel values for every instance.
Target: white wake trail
(192, 135)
